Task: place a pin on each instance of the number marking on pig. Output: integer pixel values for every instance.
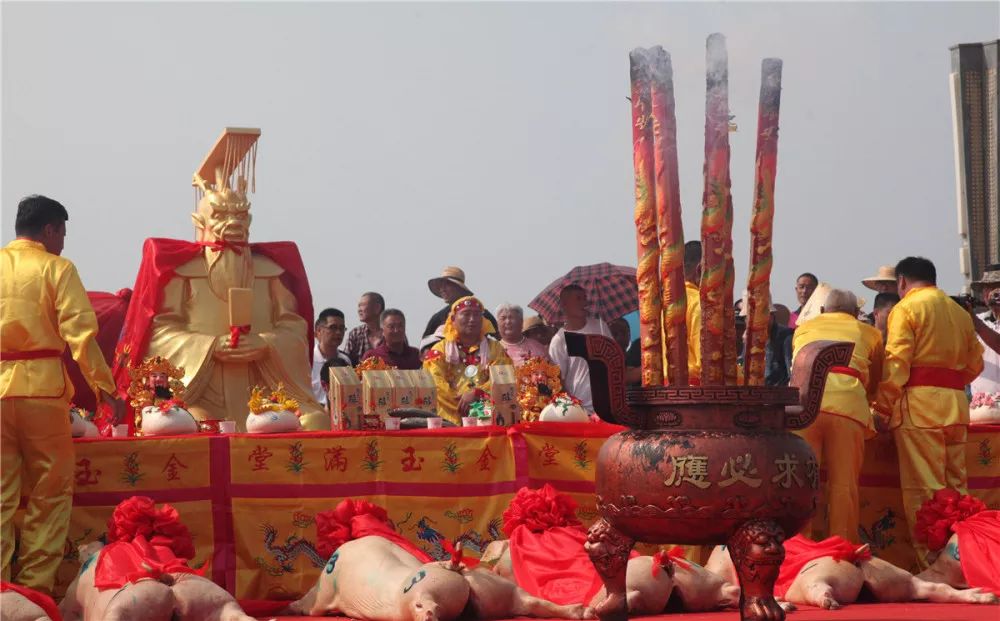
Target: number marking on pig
(953, 550)
(87, 562)
(417, 578)
(332, 563)
(807, 568)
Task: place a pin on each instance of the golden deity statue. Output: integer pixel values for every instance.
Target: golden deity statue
(232, 314)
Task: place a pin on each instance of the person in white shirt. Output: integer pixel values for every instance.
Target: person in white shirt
(575, 372)
(330, 327)
(988, 330)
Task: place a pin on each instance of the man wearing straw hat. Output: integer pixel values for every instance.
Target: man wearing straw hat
(450, 286)
(931, 355)
(882, 282)
(845, 420)
(988, 329)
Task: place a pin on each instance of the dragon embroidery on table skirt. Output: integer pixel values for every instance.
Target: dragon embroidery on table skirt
(880, 536)
(471, 540)
(285, 555)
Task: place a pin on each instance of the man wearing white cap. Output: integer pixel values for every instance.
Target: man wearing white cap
(450, 286)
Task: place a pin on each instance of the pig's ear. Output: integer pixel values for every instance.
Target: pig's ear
(863, 551)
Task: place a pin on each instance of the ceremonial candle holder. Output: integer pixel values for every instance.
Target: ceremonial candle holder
(704, 465)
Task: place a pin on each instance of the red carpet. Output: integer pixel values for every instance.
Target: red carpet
(854, 612)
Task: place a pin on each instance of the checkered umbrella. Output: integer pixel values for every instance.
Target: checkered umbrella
(611, 289)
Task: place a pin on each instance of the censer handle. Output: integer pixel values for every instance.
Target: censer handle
(809, 370)
(606, 362)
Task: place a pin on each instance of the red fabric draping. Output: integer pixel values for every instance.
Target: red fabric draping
(799, 551)
(546, 547)
(41, 600)
(144, 542)
(539, 510)
(352, 519)
(979, 550)
(137, 516)
(553, 564)
(160, 259)
(110, 309)
(122, 562)
(937, 515)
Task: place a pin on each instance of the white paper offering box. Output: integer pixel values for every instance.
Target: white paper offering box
(503, 390)
(346, 411)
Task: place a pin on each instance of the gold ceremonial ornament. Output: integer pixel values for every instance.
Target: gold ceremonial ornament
(277, 401)
(530, 374)
(153, 372)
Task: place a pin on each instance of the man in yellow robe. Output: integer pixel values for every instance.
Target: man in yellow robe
(931, 354)
(692, 278)
(845, 420)
(460, 364)
(43, 309)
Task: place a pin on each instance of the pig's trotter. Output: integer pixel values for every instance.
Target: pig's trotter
(609, 549)
(757, 552)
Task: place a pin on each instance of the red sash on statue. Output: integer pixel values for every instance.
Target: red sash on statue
(160, 260)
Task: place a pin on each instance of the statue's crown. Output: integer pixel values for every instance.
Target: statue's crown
(232, 163)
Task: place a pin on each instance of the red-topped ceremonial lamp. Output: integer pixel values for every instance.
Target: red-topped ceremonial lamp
(713, 464)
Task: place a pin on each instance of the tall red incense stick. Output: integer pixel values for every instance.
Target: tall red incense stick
(761, 259)
(668, 216)
(648, 249)
(716, 221)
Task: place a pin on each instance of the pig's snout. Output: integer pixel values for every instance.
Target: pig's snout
(424, 610)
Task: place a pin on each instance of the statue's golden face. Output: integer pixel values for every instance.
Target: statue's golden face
(157, 379)
(223, 216)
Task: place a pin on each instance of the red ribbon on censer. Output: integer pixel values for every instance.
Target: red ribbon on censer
(234, 335)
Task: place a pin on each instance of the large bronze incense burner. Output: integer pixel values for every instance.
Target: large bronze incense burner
(709, 457)
(704, 465)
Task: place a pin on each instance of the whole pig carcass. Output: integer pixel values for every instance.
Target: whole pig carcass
(375, 574)
(649, 581)
(965, 537)
(373, 579)
(143, 573)
(546, 553)
(833, 572)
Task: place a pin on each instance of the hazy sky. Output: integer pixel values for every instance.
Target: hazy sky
(400, 138)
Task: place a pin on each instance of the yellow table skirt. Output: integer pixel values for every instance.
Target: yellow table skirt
(250, 500)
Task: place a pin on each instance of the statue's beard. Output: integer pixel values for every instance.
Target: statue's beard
(227, 269)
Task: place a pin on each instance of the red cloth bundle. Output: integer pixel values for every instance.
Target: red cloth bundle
(143, 542)
(352, 519)
(41, 600)
(936, 516)
(546, 547)
(979, 550)
(799, 551)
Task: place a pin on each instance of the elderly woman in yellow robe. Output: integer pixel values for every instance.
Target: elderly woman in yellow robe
(460, 364)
